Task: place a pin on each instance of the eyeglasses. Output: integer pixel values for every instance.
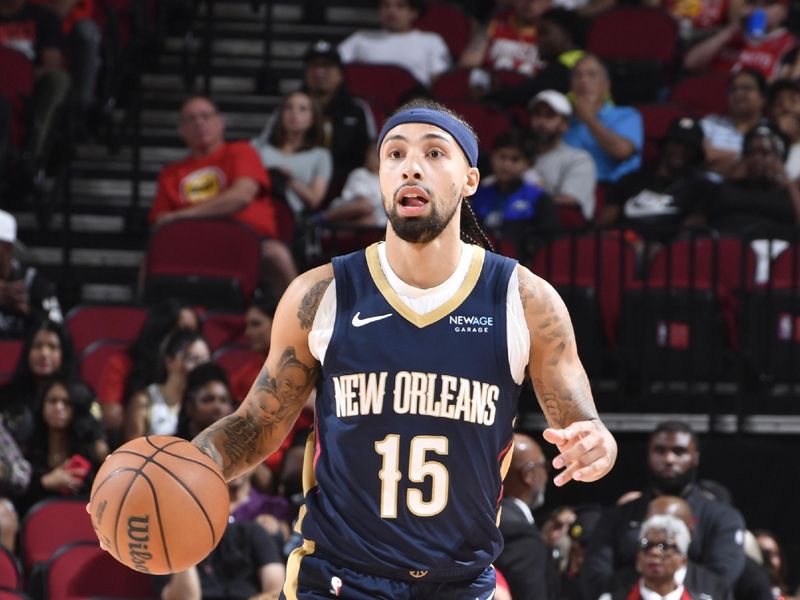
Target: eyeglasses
(664, 548)
(532, 464)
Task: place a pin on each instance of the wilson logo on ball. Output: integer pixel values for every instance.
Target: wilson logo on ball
(139, 536)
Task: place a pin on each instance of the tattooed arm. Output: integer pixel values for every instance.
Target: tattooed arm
(587, 449)
(243, 439)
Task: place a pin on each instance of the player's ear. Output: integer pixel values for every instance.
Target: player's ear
(473, 179)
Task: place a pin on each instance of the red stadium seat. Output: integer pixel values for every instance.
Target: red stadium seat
(96, 357)
(453, 85)
(205, 262)
(571, 217)
(84, 570)
(701, 94)
(231, 358)
(90, 323)
(9, 357)
(10, 573)
(450, 22)
(488, 122)
(656, 119)
(50, 524)
(223, 328)
(639, 46)
(387, 85)
(16, 84)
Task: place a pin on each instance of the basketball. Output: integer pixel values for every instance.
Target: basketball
(159, 504)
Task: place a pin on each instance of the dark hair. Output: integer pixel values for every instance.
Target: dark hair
(313, 137)
(471, 231)
(777, 139)
(517, 139)
(177, 341)
(782, 85)
(676, 427)
(758, 77)
(568, 21)
(144, 354)
(767, 533)
(198, 377)
(84, 428)
(193, 97)
(23, 376)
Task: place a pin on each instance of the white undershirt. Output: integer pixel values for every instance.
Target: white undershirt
(423, 301)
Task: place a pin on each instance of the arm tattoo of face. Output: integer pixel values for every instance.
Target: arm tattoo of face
(310, 303)
(239, 441)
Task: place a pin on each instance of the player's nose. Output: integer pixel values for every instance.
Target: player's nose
(412, 169)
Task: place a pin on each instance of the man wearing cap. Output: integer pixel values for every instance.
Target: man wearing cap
(348, 122)
(526, 561)
(658, 200)
(24, 294)
(567, 173)
(417, 347)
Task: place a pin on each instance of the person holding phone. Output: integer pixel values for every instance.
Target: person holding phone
(67, 445)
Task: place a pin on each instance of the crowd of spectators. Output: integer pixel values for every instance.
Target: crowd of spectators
(569, 150)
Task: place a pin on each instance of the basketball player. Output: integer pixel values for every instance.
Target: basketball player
(419, 346)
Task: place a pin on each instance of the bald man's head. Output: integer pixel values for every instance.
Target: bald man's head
(671, 505)
(527, 475)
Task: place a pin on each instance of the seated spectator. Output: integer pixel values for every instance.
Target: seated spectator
(560, 39)
(67, 446)
(206, 399)
(132, 371)
(25, 295)
(698, 20)
(705, 583)
(258, 330)
(765, 202)
(360, 202)
(673, 457)
(510, 41)
(747, 95)
(657, 201)
(507, 204)
(36, 32)
(83, 44)
(774, 561)
(555, 532)
(613, 135)
(662, 553)
(783, 110)
(568, 174)
(424, 54)
(154, 409)
(347, 122)
(221, 179)
(744, 42)
(579, 534)
(525, 561)
(15, 476)
(295, 149)
(47, 353)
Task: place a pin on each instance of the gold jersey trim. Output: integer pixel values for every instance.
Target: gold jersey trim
(412, 316)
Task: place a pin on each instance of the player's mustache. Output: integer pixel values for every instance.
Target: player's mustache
(420, 186)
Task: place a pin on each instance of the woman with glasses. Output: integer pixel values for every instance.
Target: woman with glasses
(661, 554)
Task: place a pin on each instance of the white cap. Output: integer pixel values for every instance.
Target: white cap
(8, 227)
(555, 100)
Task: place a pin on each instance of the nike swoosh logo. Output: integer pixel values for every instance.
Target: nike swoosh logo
(359, 322)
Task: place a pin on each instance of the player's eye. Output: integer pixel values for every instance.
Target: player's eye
(435, 153)
(394, 154)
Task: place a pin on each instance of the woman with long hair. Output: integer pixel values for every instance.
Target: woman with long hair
(67, 446)
(153, 410)
(47, 353)
(296, 149)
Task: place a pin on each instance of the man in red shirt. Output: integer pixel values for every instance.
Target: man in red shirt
(222, 179)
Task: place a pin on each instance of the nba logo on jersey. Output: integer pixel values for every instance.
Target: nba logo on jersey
(336, 586)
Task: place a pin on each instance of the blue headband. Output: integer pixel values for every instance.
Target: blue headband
(465, 139)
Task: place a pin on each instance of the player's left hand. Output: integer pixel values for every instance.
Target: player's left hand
(587, 451)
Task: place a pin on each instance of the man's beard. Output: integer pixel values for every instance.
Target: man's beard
(673, 486)
(544, 138)
(423, 229)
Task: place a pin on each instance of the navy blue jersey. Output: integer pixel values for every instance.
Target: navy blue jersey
(413, 426)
